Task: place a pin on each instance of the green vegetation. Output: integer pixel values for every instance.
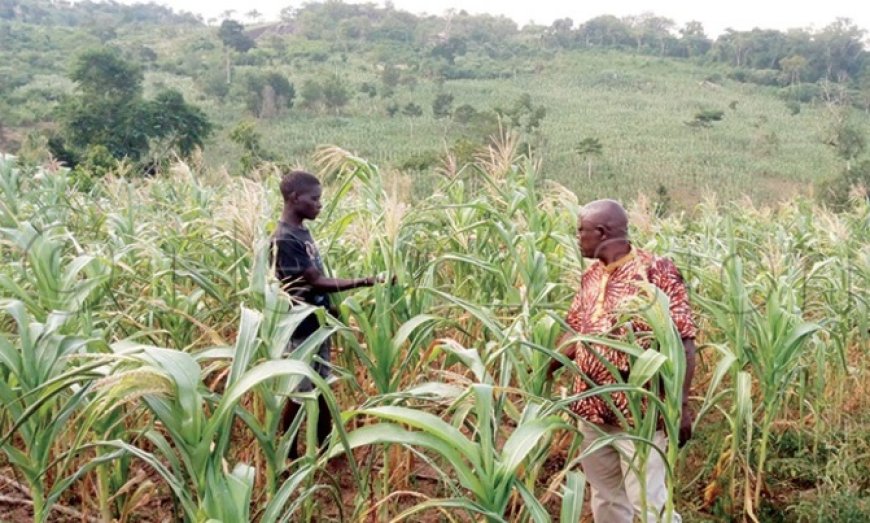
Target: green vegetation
(142, 333)
(144, 337)
(107, 114)
(394, 87)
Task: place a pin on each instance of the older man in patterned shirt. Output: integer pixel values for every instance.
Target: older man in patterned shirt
(605, 288)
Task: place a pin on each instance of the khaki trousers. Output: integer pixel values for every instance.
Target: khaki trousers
(615, 487)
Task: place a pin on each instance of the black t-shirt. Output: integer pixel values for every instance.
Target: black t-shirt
(293, 252)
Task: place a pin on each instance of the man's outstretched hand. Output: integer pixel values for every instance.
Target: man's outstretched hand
(381, 278)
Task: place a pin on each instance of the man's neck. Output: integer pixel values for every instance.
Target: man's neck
(615, 252)
(291, 218)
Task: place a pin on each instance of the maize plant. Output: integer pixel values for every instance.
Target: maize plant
(142, 344)
(190, 445)
(40, 402)
(490, 474)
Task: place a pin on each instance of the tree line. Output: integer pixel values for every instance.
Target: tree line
(836, 52)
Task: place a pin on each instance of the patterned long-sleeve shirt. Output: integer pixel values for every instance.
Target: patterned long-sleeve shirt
(601, 300)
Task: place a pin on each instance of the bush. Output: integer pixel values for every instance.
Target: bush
(96, 163)
(336, 93)
(246, 136)
(311, 93)
(369, 88)
(838, 192)
(420, 161)
(756, 76)
(463, 150)
(464, 114)
(413, 110)
(803, 93)
(214, 83)
(706, 118)
(267, 94)
(442, 105)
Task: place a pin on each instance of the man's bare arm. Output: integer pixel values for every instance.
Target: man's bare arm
(318, 281)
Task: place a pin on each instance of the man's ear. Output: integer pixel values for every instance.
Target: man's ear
(602, 230)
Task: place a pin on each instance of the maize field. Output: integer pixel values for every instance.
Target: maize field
(142, 374)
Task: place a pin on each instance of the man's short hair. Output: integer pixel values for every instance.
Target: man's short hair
(296, 182)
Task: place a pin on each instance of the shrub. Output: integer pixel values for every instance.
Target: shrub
(839, 191)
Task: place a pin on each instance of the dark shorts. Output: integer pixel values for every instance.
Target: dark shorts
(320, 361)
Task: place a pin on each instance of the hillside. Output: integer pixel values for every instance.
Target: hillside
(634, 88)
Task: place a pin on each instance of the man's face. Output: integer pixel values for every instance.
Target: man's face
(307, 202)
(589, 237)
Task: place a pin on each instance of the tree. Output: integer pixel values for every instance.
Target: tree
(693, 39)
(560, 32)
(335, 93)
(108, 106)
(104, 74)
(792, 68)
(254, 16)
(657, 30)
(174, 124)
(213, 82)
(862, 97)
(586, 149)
(147, 54)
(442, 105)
(842, 54)
(233, 36)
(96, 162)
(268, 94)
(731, 47)
(450, 49)
(108, 111)
(605, 31)
(288, 14)
(104, 33)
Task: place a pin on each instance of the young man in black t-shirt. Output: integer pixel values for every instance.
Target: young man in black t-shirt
(299, 268)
